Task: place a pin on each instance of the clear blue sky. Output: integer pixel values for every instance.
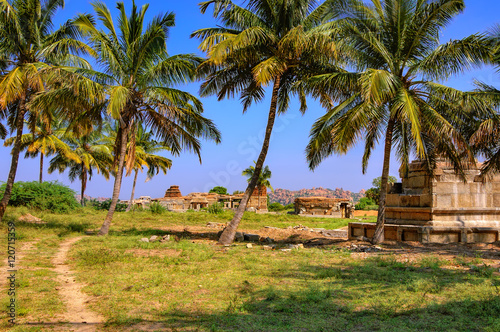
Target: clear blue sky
(242, 133)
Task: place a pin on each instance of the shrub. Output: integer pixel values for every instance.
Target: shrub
(275, 207)
(157, 208)
(366, 203)
(52, 196)
(216, 208)
(120, 207)
(290, 206)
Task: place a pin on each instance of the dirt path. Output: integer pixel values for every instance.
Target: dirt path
(78, 316)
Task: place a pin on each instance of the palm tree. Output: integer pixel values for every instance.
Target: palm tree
(485, 133)
(395, 49)
(28, 49)
(268, 42)
(145, 155)
(138, 77)
(93, 154)
(263, 179)
(45, 140)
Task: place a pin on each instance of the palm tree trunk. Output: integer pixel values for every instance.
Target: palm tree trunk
(378, 236)
(229, 232)
(84, 185)
(118, 182)
(15, 157)
(133, 191)
(41, 167)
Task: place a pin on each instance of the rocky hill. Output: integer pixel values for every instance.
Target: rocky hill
(285, 196)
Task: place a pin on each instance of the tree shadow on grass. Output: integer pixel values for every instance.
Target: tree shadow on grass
(308, 311)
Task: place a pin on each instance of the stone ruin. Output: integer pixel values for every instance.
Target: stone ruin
(440, 209)
(174, 201)
(324, 206)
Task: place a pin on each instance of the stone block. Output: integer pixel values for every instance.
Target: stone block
(358, 231)
(444, 237)
(415, 201)
(410, 235)
(426, 200)
(496, 187)
(404, 201)
(482, 237)
(445, 188)
(370, 232)
(464, 201)
(390, 234)
(496, 200)
(392, 200)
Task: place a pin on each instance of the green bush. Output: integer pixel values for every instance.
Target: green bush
(366, 203)
(51, 196)
(275, 207)
(290, 206)
(120, 207)
(157, 208)
(216, 208)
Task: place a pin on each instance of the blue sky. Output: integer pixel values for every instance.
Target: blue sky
(242, 133)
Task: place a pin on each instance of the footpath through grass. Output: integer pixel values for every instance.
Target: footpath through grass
(190, 283)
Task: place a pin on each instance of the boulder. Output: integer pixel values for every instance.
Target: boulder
(249, 246)
(144, 239)
(153, 238)
(252, 237)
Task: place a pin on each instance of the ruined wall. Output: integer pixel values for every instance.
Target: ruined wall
(445, 200)
(323, 206)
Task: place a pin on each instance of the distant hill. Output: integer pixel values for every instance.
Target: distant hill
(285, 196)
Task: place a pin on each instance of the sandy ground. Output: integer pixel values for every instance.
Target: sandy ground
(77, 315)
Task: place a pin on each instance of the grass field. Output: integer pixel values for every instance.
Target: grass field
(192, 284)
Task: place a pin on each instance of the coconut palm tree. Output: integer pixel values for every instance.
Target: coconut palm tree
(263, 179)
(145, 150)
(139, 78)
(93, 155)
(485, 133)
(394, 47)
(266, 43)
(46, 139)
(28, 49)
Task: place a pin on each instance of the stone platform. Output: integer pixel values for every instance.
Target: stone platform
(427, 234)
(443, 208)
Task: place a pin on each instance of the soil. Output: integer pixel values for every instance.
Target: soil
(77, 315)
(401, 251)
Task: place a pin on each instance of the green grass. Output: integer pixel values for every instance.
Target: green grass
(193, 284)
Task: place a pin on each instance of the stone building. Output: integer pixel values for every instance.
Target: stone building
(174, 201)
(442, 208)
(324, 206)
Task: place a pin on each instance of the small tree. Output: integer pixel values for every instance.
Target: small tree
(219, 190)
(374, 192)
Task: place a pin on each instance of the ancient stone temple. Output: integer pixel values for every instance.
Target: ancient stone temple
(324, 206)
(174, 201)
(441, 209)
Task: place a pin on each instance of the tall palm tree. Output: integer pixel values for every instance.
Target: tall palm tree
(93, 154)
(394, 46)
(266, 43)
(485, 131)
(145, 149)
(46, 139)
(263, 179)
(139, 78)
(28, 48)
